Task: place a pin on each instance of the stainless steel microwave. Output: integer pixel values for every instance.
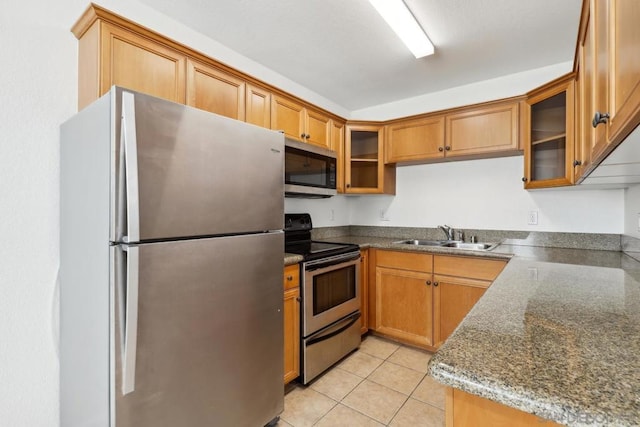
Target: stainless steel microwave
(309, 170)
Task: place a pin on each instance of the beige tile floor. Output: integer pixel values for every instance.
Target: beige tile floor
(381, 384)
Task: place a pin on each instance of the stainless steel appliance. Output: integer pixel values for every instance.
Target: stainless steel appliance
(170, 267)
(309, 170)
(330, 297)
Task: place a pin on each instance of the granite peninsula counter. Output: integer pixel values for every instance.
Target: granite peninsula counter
(557, 334)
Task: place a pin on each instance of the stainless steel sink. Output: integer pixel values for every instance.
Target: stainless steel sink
(471, 246)
(450, 244)
(423, 242)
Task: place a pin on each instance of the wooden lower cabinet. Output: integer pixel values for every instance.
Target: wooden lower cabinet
(454, 297)
(364, 291)
(463, 409)
(291, 315)
(421, 298)
(404, 297)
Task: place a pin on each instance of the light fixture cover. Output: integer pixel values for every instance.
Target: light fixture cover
(402, 21)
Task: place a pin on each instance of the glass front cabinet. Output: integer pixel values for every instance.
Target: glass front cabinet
(365, 171)
(549, 132)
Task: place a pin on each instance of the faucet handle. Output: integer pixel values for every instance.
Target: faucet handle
(460, 235)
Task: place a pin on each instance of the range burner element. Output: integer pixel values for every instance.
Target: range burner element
(297, 239)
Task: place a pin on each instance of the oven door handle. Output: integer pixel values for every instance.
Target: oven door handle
(338, 260)
(334, 330)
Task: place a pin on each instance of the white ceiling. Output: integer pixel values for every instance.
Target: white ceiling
(344, 51)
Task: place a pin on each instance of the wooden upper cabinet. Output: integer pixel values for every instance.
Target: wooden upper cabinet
(214, 90)
(300, 122)
(415, 140)
(318, 129)
(624, 107)
(258, 106)
(550, 125)
(109, 55)
(337, 145)
(365, 171)
(600, 34)
(288, 116)
(481, 130)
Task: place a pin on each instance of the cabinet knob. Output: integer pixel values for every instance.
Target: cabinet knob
(599, 117)
(308, 136)
(435, 283)
(524, 179)
(447, 148)
(302, 135)
(298, 299)
(577, 163)
(440, 149)
(428, 282)
(348, 185)
(289, 278)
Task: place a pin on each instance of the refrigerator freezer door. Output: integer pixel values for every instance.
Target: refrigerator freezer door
(209, 334)
(192, 173)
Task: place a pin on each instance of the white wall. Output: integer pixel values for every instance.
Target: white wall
(632, 211)
(488, 90)
(331, 212)
(487, 194)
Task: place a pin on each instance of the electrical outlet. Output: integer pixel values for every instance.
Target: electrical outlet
(532, 219)
(383, 215)
(533, 273)
(638, 221)
(332, 215)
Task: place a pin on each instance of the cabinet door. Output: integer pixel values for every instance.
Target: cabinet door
(600, 21)
(291, 334)
(318, 129)
(482, 130)
(404, 305)
(140, 64)
(625, 68)
(549, 134)
(364, 291)
(586, 77)
(258, 106)
(213, 90)
(287, 116)
(454, 297)
(365, 171)
(414, 140)
(337, 145)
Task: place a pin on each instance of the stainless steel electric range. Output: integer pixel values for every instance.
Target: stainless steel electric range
(330, 319)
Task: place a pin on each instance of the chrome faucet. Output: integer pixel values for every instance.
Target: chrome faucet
(448, 231)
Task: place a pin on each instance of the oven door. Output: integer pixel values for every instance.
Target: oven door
(330, 291)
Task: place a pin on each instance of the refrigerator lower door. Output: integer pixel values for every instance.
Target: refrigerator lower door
(207, 334)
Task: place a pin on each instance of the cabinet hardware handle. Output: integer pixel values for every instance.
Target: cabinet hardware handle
(440, 149)
(302, 136)
(428, 282)
(308, 136)
(600, 118)
(298, 299)
(577, 163)
(448, 147)
(289, 278)
(435, 283)
(524, 179)
(348, 185)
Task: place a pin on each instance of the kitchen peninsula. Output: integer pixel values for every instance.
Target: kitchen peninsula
(556, 335)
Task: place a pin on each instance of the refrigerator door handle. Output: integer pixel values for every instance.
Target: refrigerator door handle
(130, 321)
(130, 144)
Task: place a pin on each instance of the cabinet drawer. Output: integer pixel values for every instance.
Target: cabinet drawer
(404, 260)
(291, 276)
(474, 268)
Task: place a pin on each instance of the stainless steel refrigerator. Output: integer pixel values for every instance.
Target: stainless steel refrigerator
(171, 267)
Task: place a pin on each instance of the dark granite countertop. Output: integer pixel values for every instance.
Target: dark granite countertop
(556, 335)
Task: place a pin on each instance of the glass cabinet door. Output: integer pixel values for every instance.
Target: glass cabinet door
(549, 149)
(365, 171)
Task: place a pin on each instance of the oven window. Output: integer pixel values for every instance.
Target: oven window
(333, 288)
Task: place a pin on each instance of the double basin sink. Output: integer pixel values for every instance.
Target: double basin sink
(451, 244)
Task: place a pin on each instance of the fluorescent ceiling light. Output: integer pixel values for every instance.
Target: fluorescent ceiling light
(402, 21)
